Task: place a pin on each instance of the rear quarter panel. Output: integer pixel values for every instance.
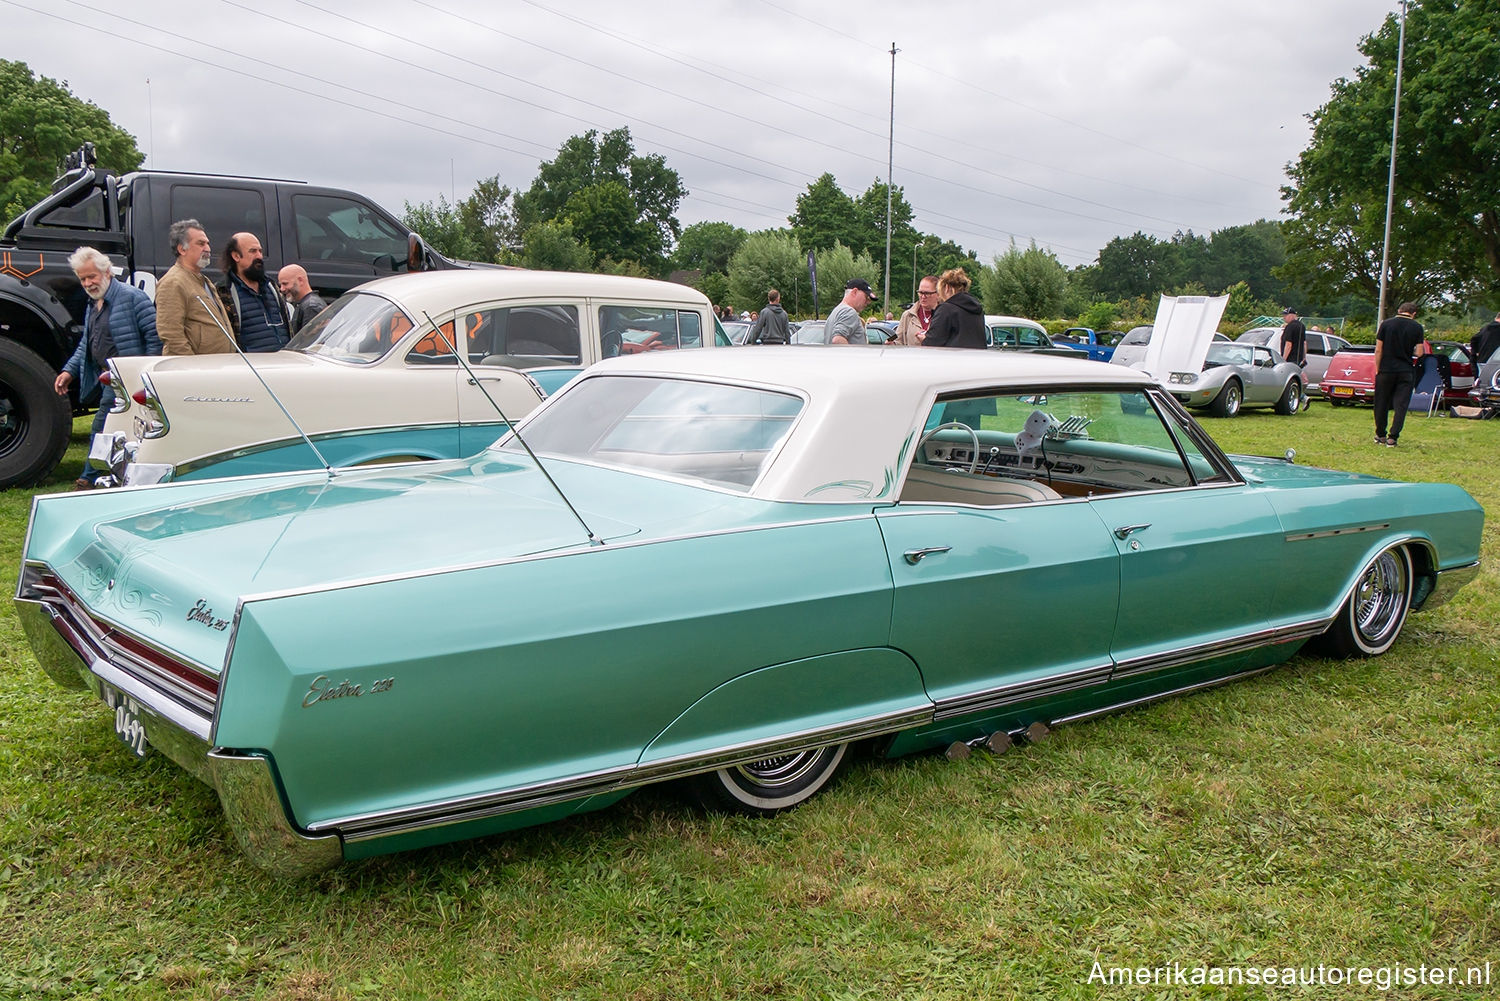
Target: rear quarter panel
(503, 676)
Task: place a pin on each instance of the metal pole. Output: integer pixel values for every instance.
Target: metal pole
(890, 164)
(914, 270)
(1390, 184)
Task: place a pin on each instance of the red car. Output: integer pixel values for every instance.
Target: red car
(1351, 374)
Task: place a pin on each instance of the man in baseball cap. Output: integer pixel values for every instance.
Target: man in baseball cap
(844, 325)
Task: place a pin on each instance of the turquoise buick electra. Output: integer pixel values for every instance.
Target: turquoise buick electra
(718, 568)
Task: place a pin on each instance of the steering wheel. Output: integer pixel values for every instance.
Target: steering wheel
(955, 426)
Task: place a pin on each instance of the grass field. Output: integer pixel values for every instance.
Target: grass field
(1342, 814)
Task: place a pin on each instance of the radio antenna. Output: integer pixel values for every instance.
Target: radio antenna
(462, 359)
(327, 467)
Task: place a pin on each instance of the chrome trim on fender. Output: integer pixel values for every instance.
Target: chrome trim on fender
(1024, 691)
(1330, 533)
(252, 804)
(206, 461)
(1221, 648)
(445, 813)
(1447, 584)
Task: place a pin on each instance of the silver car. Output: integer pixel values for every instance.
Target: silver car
(1321, 347)
(1237, 375)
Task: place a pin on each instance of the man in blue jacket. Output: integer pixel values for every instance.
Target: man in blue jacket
(119, 320)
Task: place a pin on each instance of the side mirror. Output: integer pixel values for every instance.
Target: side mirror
(416, 253)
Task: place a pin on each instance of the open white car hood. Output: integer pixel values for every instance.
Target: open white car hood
(1180, 337)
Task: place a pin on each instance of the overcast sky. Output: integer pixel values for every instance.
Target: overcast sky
(1067, 122)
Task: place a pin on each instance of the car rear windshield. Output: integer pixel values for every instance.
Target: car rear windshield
(709, 432)
(358, 327)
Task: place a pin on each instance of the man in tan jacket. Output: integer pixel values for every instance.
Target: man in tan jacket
(186, 303)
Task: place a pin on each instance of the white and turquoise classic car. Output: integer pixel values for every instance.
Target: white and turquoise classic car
(717, 567)
(374, 378)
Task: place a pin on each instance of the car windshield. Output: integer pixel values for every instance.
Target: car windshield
(1137, 335)
(712, 433)
(1260, 335)
(1220, 353)
(358, 327)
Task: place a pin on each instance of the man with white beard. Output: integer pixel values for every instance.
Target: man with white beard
(119, 320)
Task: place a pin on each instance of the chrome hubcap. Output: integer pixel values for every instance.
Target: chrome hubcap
(781, 770)
(1380, 599)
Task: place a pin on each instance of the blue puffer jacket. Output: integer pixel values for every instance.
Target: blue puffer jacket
(132, 324)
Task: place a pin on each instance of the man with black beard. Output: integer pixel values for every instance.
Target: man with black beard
(257, 312)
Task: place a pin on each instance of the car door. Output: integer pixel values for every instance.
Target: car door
(999, 597)
(504, 340)
(1200, 552)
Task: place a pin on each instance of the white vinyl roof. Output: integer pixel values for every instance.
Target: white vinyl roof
(865, 405)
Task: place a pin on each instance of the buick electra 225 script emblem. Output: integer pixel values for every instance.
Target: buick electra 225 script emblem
(200, 612)
(321, 690)
(217, 399)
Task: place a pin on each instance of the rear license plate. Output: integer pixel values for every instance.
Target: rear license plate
(127, 720)
(1343, 390)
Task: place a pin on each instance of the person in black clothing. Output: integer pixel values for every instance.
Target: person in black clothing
(1293, 338)
(1482, 346)
(770, 326)
(1398, 342)
(958, 321)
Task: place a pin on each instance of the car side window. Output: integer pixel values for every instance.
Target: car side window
(330, 228)
(1012, 448)
(527, 336)
(434, 347)
(626, 330)
(222, 211)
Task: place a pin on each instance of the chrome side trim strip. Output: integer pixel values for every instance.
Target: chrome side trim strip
(1147, 699)
(1023, 691)
(448, 812)
(1220, 648)
(1330, 533)
(271, 445)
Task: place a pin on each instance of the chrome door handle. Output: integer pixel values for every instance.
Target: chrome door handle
(1125, 530)
(914, 556)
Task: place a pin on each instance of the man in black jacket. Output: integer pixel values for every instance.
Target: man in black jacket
(1484, 343)
(770, 326)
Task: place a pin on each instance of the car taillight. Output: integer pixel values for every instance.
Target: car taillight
(105, 379)
(142, 397)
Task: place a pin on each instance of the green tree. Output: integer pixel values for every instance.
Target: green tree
(1136, 265)
(836, 266)
(488, 216)
(767, 260)
(442, 226)
(1028, 282)
(870, 213)
(552, 246)
(716, 287)
(825, 216)
(41, 122)
(708, 246)
(1245, 253)
(624, 202)
(1445, 231)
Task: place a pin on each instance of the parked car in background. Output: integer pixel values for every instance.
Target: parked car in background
(1351, 374)
(736, 330)
(1236, 376)
(1015, 332)
(382, 659)
(373, 378)
(1098, 344)
(880, 331)
(809, 332)
(1321, 347)
(1131, 348)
